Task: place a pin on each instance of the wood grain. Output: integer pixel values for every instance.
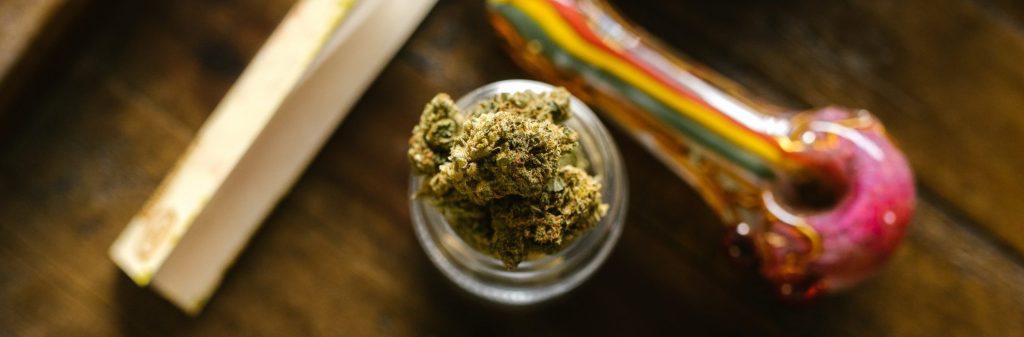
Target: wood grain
(20, 25)
(338, 255)
(29, 34)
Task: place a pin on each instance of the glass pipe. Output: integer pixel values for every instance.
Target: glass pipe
(816, 199)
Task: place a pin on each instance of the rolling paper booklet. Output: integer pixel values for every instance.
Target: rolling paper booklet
(257, 142)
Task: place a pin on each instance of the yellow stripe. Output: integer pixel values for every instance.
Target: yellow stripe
(567, 38)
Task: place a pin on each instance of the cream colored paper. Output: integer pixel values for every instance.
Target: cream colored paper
(258, 141)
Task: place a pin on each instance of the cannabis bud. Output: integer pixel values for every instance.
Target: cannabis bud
(507, 173)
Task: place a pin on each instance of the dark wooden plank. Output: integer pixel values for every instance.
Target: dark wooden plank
(945, 76)
(338, 256)
(21, 24)
(29, 33)
(27, 29)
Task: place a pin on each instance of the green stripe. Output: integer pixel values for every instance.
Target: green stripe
(693, 130)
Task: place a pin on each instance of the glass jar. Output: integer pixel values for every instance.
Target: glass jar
(542, 278)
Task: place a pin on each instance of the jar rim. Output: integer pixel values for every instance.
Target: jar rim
(545, 277)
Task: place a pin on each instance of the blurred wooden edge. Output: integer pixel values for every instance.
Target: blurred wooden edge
(258, 141)
(29, 31)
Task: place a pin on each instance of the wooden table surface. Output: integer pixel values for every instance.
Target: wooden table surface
(338, 256)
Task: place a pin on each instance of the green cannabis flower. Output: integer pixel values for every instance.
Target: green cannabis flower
(506, 173)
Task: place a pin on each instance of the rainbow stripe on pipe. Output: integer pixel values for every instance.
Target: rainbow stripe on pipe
(568, 40)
